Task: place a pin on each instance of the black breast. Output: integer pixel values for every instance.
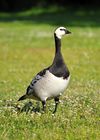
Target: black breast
(59, 69)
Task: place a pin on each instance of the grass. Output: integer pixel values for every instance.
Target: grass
(26, 47)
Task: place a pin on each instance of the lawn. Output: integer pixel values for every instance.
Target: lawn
(26, 47)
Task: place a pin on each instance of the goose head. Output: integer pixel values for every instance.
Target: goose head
(59, 32)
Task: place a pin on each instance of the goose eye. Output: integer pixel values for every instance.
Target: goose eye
(61, 29)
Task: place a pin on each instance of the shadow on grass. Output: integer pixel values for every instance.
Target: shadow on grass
(13, 106)
(56, 16)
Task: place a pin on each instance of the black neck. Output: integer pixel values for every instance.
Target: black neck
(58, 56)
(58, 67)
(57, 44)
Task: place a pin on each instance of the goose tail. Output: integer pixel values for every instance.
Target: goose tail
(22, 97)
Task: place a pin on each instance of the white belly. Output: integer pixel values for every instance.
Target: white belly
(50, 86)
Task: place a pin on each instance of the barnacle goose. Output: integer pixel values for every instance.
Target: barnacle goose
(53, 80)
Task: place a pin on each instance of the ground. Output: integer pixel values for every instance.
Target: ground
(26, 47)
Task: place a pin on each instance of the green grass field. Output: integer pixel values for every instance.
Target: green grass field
(26, 47)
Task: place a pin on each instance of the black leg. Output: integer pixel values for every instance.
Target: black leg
(56, 104)
(44, 105)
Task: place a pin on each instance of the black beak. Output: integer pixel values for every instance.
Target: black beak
(67, 32)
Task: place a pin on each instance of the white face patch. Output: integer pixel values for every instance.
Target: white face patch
(60, 32)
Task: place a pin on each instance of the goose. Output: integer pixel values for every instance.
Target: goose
(52, 81)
